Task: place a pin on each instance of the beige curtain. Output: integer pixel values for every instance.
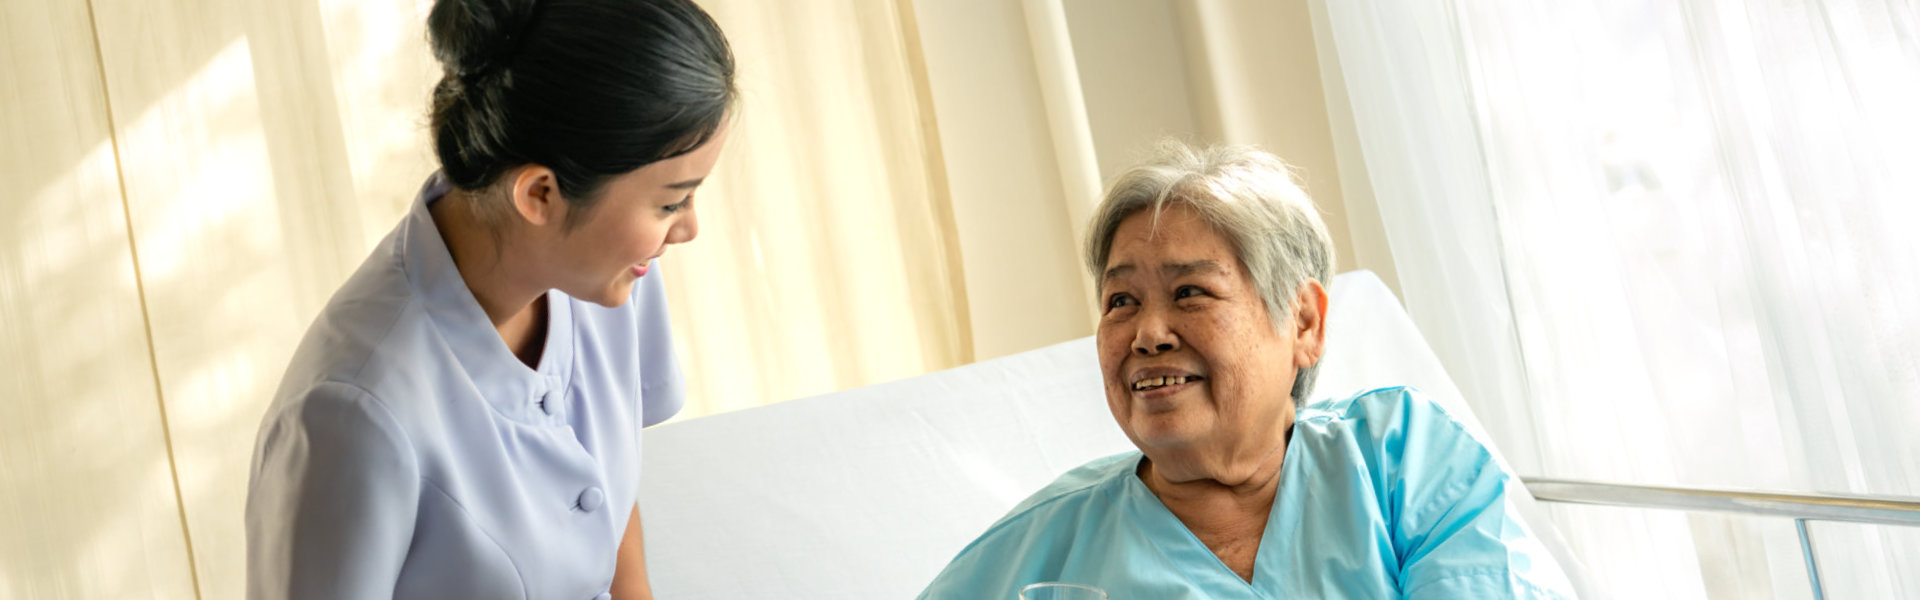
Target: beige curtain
(826, 256)
(87, 497)
(193, 178)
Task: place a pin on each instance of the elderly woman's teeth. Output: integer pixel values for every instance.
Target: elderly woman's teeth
(1155, 382)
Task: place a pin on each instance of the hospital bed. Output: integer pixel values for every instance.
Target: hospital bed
(867, 493)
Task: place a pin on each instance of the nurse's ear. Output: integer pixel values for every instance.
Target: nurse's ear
(536, 196)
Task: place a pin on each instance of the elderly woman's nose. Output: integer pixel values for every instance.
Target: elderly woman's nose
(1156, 349)
(1153, 337)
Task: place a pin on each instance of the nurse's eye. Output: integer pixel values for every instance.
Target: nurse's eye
(678, 206)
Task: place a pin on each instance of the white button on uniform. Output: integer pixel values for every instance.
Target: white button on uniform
(604, 596)
(591, 499)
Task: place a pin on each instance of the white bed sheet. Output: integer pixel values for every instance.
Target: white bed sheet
(867, 493)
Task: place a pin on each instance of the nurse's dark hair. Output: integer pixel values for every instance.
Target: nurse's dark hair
(591, 89)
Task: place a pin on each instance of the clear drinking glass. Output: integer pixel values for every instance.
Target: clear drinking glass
(1061, 591)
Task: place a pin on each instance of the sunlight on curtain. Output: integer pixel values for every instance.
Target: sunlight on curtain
(822, 261)
(265, 147)
(1686, 234)
(87, 503)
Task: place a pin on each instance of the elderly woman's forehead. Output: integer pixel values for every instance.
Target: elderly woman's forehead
(1175, 244)
(1174, 222)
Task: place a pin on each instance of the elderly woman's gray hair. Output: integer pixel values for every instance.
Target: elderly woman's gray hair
(1249, 197)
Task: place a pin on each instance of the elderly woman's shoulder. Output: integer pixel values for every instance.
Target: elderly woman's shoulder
(1081, 506)
(1383, 415)
(1089, 484)
(1395, 402)
(1086, 480)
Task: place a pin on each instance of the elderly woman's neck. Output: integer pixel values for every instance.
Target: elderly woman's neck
(1225, 503)
(1249, 479)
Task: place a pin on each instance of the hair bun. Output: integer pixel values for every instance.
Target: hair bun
(470, 37)
(636, 82)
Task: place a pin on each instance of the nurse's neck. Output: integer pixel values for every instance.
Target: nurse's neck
(499, 278)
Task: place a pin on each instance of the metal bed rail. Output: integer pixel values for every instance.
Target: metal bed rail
(1801, 507)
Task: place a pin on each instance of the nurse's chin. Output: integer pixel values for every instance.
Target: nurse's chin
(616, 295)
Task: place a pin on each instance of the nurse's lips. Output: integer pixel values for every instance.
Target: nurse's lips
(640, 270)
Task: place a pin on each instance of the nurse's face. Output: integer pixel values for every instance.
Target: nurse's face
(637, 216)
(1197, 375)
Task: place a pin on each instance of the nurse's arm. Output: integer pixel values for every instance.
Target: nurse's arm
(332, 504)
(630, 566)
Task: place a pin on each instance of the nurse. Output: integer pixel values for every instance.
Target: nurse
(1209, 263)
(463, 418)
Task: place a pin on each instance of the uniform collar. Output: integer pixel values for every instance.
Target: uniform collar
(514, 390)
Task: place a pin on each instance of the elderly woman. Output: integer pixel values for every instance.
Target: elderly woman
(1210, 265)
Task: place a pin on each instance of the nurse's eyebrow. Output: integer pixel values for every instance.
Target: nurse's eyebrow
(686, 185)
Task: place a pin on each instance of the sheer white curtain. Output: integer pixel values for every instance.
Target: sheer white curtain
(1670, 243)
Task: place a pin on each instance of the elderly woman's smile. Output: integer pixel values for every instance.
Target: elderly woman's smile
(1158, 382)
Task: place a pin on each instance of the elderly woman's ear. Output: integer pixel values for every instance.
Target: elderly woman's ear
(1309, 324)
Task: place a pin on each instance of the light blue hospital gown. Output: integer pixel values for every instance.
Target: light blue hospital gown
(409, 454)
(1382, 495)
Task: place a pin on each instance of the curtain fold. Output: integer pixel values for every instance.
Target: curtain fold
(823, 261)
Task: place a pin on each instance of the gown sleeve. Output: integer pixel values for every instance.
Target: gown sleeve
(1457, 534)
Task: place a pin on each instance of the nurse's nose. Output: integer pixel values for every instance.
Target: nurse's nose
(686, 229)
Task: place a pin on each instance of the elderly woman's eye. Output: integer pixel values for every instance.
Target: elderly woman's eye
(1187, 291)
(1118, 300)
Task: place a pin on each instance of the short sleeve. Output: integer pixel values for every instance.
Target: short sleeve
(334, 493)
(662, 389)
(1457, 534)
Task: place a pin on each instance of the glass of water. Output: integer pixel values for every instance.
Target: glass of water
(1061, 591)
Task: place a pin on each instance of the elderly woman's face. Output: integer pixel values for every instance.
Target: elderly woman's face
(1192, 362)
